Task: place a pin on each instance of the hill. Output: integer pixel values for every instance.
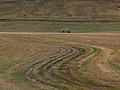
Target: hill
(60, 8)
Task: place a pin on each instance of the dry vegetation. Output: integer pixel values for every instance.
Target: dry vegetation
(58, 8)
(34, 61)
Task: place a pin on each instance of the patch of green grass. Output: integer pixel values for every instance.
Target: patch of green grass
(114, 66)
(38, 26)
(3, 69)
(5, 63)
(94, 82)
(20, 77)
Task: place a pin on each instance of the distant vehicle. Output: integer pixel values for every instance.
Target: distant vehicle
(65, 30)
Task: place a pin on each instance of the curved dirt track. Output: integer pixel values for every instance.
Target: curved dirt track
(60, 61)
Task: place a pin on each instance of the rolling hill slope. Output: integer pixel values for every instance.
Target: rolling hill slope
(60, 8)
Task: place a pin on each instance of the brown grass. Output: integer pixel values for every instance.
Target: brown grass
(40, 61)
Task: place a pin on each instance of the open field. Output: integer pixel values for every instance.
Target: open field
(54, 26)
(53, 61)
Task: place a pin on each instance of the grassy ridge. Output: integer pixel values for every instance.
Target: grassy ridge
(43, 26)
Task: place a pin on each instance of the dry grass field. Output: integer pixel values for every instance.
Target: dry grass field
(61, 8)
(54, 61)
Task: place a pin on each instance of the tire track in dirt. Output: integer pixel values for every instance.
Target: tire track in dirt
(46, 66)
(46, 73)
(63, 63)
